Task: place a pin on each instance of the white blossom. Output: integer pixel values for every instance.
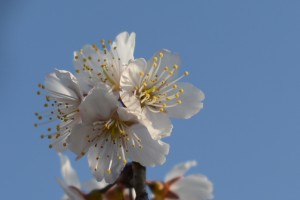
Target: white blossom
(105, 64)
(63, 97)
(110, 134)
(153, 87)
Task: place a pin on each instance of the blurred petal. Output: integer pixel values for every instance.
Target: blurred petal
(68, 173)
(193, 187)
(70, 192)
(180, 170)
(93, 184)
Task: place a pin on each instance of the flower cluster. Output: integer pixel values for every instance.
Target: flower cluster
(176, 186)
(116, 108)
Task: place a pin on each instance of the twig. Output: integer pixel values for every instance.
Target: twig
(139, 181)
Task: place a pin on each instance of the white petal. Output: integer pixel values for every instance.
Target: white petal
(102, 164)
(98, 104)
(191, 102)
(152, 153)
(70, 192)
(125, 115)
(78, 141)
(85, 83)
(160, 125)
(193, 187)
(98, 167)
(180, 169)
(125, 44)
(130, 101)
(131, 77)
(68, 173)
(168, 60)
(93, 184)
(63, 82)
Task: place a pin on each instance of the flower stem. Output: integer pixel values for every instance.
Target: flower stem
(139, 181)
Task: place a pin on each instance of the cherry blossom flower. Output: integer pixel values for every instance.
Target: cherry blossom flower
(94, 65)
(154, 88)
(178, 186)
(71, 184)
(110, 134)
(63, 97)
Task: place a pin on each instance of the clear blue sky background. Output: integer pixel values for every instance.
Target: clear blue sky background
(243, 54)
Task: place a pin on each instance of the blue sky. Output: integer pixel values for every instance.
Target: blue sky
(243, 54)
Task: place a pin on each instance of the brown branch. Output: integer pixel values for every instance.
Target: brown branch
(139, 181)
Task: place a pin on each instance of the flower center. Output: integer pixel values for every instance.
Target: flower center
(157, 86)
(100, 65)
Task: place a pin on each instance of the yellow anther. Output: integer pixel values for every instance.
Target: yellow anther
(155, 64)
(82, 153)
(84, 60)
(161, 54)
(108, 171)
(136, 87)
(64, 144)
(42, 136)
(176, 95)
(175, 66)
(164, 105)
(179, 101)
(50, 146)
(36, 125)
(147, 95)
(124, 161)
(145, 84)
(170, 72)
(76, 57)
(119, 157)
(142, 73)
(186, 73)
(45, 105)
(174, 86)
(103, 46)
(49, 136)
(161, 109)
(166, 68)
(38, 92)
(49, 129)
(168, 99)
(102, 41)
(155, 59)
(109, 41)
(181, 90)
(90, 58)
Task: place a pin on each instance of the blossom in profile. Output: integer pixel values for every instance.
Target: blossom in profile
(62, 98)
(153, 87)
(71, 185)
(180, 187)
(104, 64)
(111, 134)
